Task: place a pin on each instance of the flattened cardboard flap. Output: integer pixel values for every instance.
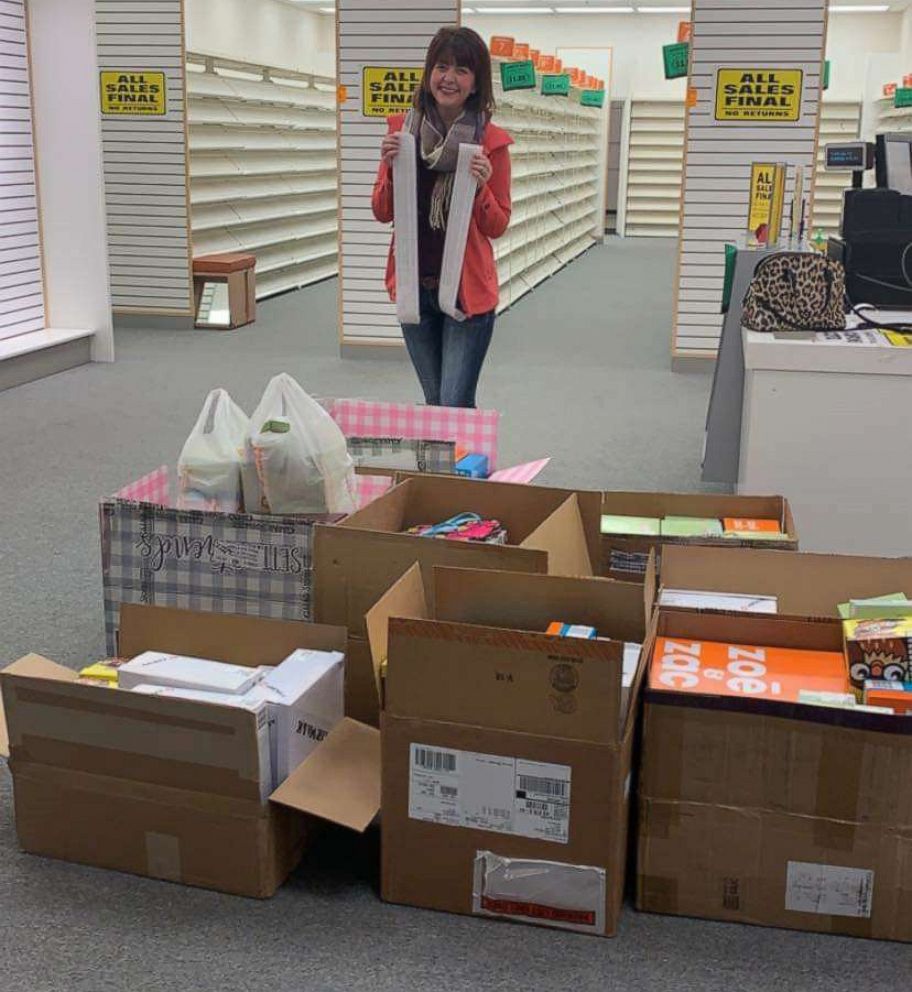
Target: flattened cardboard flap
(529, 602)
(563, 537)
(240, 640)
(35, 666)
(805, 584)
(340, 781)
(404, 599)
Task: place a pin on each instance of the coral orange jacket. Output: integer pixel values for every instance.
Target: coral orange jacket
(478, 288)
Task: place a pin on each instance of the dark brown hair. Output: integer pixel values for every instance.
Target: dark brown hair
(461, 47)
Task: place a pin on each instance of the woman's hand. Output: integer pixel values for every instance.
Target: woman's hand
(389, 148)
(481, 167)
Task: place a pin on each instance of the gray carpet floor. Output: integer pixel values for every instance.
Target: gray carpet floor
(580, 371)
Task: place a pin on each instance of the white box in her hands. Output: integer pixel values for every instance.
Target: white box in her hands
(305, 694)
(180, 672)
(254, 701)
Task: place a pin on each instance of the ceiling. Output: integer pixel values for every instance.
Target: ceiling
(597, 8)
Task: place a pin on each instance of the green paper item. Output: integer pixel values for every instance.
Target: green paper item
(555, 85)
(826, 74)
(886, 611)
(592, 98)
(676, 59)
(517, 76)
(903, 97)
(630, 526)
(691, 527)
(845, 609)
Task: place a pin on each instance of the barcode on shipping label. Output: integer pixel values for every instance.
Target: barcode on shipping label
(490, 792)
(433, 760)
(829, 890)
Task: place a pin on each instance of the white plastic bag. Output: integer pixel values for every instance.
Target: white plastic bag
(209, 467)
(296, 459)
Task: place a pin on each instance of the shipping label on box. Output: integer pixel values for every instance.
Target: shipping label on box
(490, 792)
(829, 890)
(241, 563)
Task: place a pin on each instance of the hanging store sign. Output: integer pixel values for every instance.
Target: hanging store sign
(517, 76)
(676, 59)
(388, 89)
(765, 96)
(133, 92)
(555, 85)
(685, 30)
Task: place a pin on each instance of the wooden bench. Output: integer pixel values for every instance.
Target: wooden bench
(237, 270)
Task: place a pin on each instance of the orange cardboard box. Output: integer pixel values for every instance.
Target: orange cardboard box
(751, 524)
(718, 669)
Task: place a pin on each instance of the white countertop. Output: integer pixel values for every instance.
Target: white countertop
(764, 351)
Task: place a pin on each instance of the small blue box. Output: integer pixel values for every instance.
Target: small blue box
(473, 466)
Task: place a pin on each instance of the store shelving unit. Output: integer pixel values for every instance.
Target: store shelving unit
(890, 118)
(839, 121)
(263, 168)
(654, 145)
(558, 163)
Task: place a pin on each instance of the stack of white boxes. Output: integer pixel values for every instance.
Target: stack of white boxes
(297, 703)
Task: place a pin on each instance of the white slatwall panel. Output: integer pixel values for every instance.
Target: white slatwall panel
(395, 33)
(839, 121)
(145, 160)
(655, 163)
(736, 34)
(21, 285)
(263, 169)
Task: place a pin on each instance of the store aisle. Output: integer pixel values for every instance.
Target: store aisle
(580, 371)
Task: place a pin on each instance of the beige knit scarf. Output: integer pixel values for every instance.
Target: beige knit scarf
(439, 150)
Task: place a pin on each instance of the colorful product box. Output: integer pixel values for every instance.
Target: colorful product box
(558, 629)
(878, 649)
(473, 466)
(743, 525)
(718, 669)
(896, 695)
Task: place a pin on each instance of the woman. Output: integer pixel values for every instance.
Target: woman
(453, 105)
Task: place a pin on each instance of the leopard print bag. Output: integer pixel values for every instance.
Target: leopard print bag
(796, 291)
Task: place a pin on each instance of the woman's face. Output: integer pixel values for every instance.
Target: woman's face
(451, 85)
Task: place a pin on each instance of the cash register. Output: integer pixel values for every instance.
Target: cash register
(875, 242)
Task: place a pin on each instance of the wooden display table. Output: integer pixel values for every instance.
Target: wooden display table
(236, 269)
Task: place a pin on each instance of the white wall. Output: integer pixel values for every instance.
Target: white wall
(263, 31)
(906, 46)
(70, 171)
(637, 40)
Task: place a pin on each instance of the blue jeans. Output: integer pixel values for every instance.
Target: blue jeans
(447, 354)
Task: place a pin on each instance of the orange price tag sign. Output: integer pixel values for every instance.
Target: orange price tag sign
(341, 93)
(691, 96)
(546, 63)
(502, 46)
(685, 31)
(890, 89)
(521, 52)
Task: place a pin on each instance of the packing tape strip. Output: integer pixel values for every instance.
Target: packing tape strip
(462, 204)
(405, 208)
(119, 724)
(163, 856)
(839, 778)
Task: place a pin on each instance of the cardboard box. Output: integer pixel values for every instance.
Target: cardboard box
(625, 557)
(357, 560)
(171, 788)
(804, 584)
(505, 748)
(778, 814)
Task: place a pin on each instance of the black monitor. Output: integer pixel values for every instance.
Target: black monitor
(894, 161)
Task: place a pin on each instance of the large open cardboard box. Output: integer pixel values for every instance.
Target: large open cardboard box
(170, 788)
(625, 557)
(757, 811)
(805, 584)
(356, 561)
(507, 753)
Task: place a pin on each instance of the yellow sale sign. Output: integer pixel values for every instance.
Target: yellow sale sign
(387, 90)
(759, 95)
(133, 91)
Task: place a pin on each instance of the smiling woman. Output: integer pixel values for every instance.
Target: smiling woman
(451, 107)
